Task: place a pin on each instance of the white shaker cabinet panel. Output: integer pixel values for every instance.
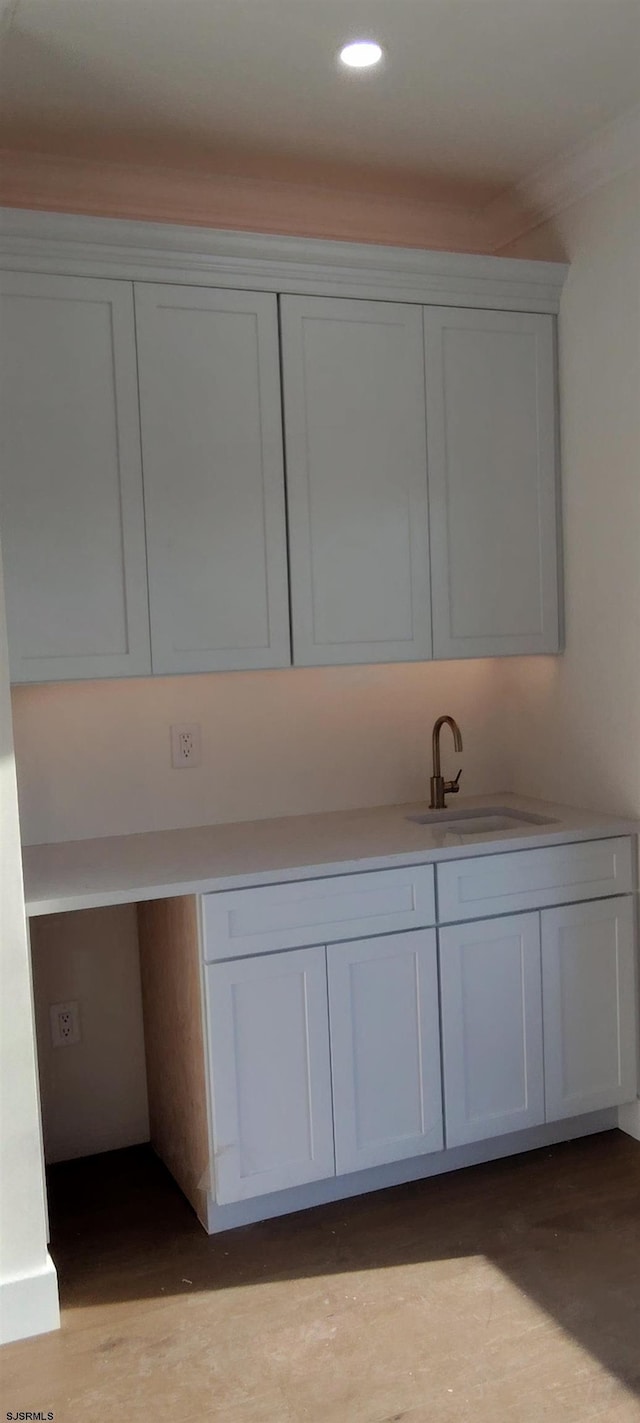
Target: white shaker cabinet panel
(356, 480)
(71, 506)
(385, 1049)
(270, 1073)
(590, 1013)
(213, 478)
(533, 879)
(286, 916)
(491, 427)
(491, 1027)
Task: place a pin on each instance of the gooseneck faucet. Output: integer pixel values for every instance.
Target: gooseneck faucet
(439, 787)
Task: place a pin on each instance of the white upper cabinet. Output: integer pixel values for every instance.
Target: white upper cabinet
(71, 507)
(418, 445)
(356, 480)
(213, 478)
(491, 426)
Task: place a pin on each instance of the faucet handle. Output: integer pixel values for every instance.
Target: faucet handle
(452, 787)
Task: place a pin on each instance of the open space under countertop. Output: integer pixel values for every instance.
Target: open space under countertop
(85, 874)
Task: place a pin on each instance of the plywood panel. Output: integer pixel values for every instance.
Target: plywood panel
(169, 963)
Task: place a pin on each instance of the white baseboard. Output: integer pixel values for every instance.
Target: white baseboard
(29, 1304)
(629, 1119)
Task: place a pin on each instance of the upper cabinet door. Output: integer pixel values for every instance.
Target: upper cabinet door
(356, 480)
(491, 428)
(213, 478)
(71, 508)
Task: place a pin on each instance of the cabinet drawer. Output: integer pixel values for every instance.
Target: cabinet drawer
(533, 879)
(318, 911)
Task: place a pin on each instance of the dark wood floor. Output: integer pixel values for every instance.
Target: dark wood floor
(507, 1293)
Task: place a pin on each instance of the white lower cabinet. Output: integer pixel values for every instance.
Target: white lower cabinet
(590, 1010)
(270, 1073)
(491, 1027)
(344, 1056)
(271, 1069)
(385, 1049)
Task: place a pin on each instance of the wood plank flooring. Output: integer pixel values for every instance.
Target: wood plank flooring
(507, 1293)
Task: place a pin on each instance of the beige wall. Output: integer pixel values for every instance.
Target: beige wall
(94, 758)
(576, 719)
(94, 1094)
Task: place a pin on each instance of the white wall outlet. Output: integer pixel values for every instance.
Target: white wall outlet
(65, 1024)
(186, 745)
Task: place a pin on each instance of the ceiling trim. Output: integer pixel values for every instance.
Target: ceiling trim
(237, 203)
(611, 152)
(151, 251)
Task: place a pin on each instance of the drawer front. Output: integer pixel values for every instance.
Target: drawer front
(320, 911)
(533, 879)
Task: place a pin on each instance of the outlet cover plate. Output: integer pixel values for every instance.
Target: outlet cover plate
(65, 1024)
(186, 745)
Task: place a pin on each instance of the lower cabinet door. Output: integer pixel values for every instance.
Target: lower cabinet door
(588, 977)
(491, 1027)
(268, 1031)
(385, 1049)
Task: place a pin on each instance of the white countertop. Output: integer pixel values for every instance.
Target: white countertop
(85, 874)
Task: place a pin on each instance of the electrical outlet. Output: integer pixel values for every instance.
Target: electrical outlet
(186, 745)
(65, 1024)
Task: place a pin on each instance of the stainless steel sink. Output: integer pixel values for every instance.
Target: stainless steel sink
(481, 820)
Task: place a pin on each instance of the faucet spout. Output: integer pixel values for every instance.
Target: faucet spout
(440, 787)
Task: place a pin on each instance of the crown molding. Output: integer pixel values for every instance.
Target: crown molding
(56, 184)
(238, 202)
(611, 152)
(153, 251)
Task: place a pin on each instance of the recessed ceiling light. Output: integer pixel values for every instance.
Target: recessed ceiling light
(362, 54)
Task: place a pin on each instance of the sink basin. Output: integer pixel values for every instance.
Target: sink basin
(481, 820)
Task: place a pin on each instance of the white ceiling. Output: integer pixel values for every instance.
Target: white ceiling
(481, 91)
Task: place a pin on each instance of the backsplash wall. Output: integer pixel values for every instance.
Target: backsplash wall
(93, 758)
